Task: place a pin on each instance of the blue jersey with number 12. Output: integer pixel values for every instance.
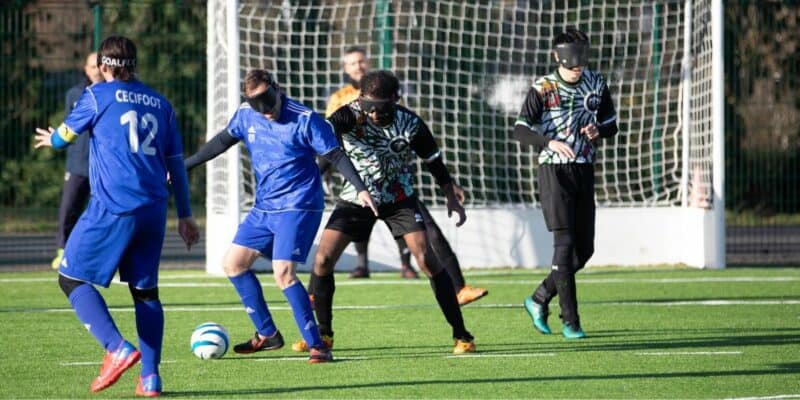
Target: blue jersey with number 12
(134, 131)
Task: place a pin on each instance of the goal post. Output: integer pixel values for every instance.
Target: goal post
(465, 68)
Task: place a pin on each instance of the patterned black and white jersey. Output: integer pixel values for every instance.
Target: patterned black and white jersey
(383, 156)
(558, 110)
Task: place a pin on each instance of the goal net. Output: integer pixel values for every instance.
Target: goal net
(465, 68)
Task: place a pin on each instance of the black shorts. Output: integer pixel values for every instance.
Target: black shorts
(357, 222)
(566, 192)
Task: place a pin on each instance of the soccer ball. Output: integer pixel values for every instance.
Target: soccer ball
(209, 340)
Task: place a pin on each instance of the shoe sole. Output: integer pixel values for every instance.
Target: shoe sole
(257, 350)
(484, 294)
(129, 362)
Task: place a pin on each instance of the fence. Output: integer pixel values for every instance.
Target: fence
(45, 42)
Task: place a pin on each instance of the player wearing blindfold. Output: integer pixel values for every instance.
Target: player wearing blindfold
(382, 139)
(564, 115)
(283, 138)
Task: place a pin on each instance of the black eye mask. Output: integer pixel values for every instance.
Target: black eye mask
(378, 106)
(571, 55)
(384, 109)
(265, 101)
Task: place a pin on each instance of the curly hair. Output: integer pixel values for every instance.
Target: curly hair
(381, 84)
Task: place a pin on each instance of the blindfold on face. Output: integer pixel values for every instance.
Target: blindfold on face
(377, 106)
(571, 55)
(383, 109)
(265, 101)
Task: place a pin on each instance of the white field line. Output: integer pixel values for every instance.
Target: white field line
(346, 358)
(502, 355)
(82, 363)
(300, 358)
(775, 397)
(222, 282)
(691, 353)
(407, 306)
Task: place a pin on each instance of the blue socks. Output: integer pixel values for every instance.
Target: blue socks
(249, 289)
(93, 312)
(150, 326)
(303, 314)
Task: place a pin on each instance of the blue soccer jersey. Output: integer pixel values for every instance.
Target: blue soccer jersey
(282, 155)
(130, 144)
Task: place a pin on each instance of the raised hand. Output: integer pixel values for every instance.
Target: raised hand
(42, 137)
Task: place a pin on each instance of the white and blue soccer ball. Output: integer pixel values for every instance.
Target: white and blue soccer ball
(209, 340)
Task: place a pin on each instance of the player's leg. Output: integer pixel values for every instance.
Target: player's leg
(97, 243)
(139, 267)
(404, 219)
(406, 270)
(74, 195)
(348, 222)
(253, 238)
(440, 249)
(362, 264)
(584, 245)
(555, 202)
(560, 192)
(294, 235)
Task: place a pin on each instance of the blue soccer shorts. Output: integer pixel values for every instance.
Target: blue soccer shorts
(102, 243)
(279, 235)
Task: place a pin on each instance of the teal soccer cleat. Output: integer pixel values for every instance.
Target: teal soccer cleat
(573, 331)
(538, 314)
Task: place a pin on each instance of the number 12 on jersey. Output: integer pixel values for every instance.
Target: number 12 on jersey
(149, 125)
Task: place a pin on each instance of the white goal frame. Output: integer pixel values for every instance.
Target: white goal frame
(511, 235)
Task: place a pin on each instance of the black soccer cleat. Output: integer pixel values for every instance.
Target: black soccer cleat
(257, 343)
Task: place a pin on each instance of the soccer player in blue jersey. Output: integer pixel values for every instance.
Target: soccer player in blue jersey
(134, 144)
(283, 138)
(565, 114)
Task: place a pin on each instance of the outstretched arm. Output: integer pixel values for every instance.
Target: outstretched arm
(338, 158)
(425, 147)
(214, 147)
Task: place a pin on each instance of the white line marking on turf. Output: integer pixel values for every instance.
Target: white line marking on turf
(777, 396)
(82, 363)
(222, 282)
(502, 355)
(691, 353)
(337, 358)
(407, 306)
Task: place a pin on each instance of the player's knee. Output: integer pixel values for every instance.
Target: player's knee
(143, 295)
(563, 248)
(68, 284)
(233, 269)
(323, 263)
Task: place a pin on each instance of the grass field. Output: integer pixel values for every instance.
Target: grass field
(653, 333)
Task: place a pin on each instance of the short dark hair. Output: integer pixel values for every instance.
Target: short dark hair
(256, 77)
(355, 49)
(570, 35)
(380, 84)
(119, 54)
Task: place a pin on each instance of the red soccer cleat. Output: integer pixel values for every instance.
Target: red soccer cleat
(149, 386)
(114, 364)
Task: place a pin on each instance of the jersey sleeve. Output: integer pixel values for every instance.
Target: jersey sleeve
(423, 143)
(606, 114)
(531, 112)
(80, 118)
(174, 146)
(235, 125)
(319, 134)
